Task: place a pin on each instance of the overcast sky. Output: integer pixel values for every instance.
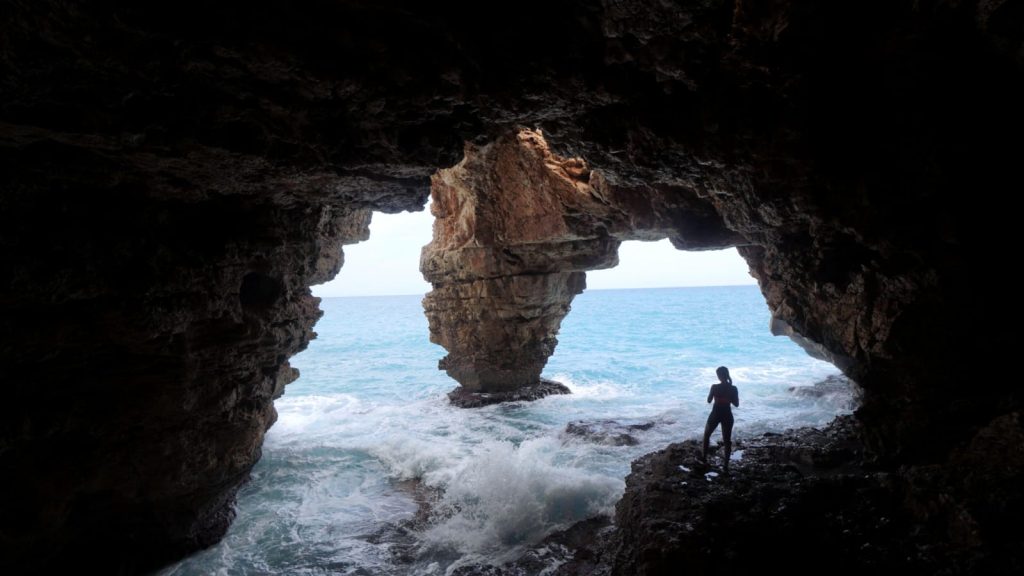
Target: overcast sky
(388, 263)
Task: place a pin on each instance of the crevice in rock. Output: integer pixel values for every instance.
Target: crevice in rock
(259, 291)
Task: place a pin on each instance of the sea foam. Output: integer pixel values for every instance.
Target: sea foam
(370, 411)
(507, 496)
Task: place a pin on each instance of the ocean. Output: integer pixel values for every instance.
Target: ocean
(366, 434)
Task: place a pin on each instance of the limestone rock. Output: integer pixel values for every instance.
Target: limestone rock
(174, 175)
(516, 227)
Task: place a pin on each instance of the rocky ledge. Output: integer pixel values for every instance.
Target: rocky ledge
(463, 398)
(808, 501)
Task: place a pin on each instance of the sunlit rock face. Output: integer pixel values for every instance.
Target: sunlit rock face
(516, 227)
(504, 263)
(174, 177)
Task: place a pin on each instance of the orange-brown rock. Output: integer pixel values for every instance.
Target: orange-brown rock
(516, 228)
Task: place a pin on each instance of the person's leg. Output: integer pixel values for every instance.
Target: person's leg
(727, 422)
(709, 428)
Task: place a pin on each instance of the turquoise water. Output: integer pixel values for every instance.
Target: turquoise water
(370, 412)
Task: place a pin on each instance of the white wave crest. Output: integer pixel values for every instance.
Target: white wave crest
(506, 497)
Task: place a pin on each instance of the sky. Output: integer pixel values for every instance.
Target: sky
(388, 263)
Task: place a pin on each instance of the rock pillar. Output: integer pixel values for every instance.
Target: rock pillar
(516, 227)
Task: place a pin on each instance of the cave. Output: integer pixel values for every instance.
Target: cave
(175, 177)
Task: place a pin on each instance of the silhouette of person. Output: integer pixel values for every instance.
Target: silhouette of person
(723, 394)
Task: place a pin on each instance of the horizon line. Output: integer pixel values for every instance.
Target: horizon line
(754, 284)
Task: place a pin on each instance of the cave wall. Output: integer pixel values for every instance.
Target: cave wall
(164, 211)
(150, 346)
(175, 175)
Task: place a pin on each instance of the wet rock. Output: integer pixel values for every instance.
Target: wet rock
(609, 432)
(835, 384)
(577, 550)
(805, 499)
(831, 388)
(465, 399)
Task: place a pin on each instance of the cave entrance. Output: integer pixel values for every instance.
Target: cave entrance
(366, 439)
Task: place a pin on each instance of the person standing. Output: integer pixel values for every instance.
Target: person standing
(722, 394)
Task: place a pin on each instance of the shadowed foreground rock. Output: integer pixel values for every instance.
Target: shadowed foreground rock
(806, 502)
(802, 502)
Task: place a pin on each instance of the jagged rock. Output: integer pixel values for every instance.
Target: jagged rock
(797, 502)
(805, 500)
(463, 398)
(175, 175)
(578, 549)
(516, 227)
(136, 455)
(832, 386)
(780, 327)
(609, 432)
(503, 262)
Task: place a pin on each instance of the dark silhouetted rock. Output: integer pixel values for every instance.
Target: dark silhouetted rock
(175, 175)
(463, 398)
(609, 432)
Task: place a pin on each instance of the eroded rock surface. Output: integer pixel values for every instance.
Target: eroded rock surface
(516, 228)
(145, 387)
(806, 501)
(175, 175)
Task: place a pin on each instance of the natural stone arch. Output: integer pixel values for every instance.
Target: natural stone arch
(154, 156)
(517, 226)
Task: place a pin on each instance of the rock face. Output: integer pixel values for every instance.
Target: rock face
(502, 262)
(145, 385)
(804, 502)
(175, 175)
(516, 227)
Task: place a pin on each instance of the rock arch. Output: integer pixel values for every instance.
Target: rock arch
(153, 156)
(517, 226)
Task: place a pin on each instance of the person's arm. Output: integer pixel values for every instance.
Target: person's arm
(711, 394)
(735, 396)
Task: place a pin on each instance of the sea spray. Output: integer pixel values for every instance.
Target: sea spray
(509, 496)
(369, 414)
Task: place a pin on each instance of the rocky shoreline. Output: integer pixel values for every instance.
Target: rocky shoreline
(805, 501)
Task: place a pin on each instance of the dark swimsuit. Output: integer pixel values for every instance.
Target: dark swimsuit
(721, 413)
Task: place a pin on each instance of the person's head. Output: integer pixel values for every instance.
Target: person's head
(723, 375)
